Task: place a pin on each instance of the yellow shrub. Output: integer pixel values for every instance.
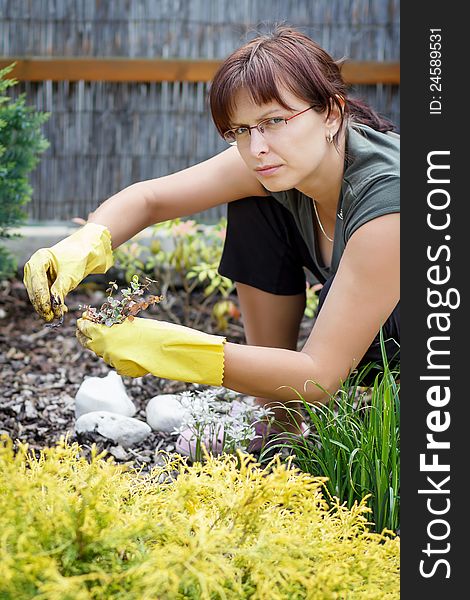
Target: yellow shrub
(226, 529)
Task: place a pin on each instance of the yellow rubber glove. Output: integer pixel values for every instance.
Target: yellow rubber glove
(54, 272)
(135, 348)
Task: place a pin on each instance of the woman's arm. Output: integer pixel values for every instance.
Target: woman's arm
(221, 179)
(364, 293)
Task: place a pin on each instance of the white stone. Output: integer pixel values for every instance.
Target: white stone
(123, 431)
(165, 412)
(104, 393)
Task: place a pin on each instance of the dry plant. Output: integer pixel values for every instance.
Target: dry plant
(126, 306)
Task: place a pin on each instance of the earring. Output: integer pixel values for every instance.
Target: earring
(329, 137)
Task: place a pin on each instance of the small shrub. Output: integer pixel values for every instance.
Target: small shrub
(226, 529)
(21, 142)
(190, 264)
(117, 309)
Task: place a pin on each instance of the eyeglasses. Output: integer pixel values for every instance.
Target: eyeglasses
(242, 134)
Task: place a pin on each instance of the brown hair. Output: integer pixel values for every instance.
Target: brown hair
(290, 58)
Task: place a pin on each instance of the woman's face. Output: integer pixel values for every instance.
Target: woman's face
(296, 154)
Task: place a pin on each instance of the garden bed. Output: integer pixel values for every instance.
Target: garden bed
(43, 367)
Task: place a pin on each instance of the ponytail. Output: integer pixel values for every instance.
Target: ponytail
(360, 112)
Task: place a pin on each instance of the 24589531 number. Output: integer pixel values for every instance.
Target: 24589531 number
(435, 62)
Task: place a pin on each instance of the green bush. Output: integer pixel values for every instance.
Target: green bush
(21, 142)
(225, 529)
(183, 256)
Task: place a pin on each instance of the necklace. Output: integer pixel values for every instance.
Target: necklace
(319, 222)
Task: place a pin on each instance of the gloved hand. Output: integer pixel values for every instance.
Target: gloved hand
(54, 272)
(142, 346)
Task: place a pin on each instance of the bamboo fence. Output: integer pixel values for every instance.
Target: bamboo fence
(105, 135)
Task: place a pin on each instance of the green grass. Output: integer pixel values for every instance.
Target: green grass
(355, 442)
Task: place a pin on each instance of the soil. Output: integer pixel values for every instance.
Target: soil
(42, 368)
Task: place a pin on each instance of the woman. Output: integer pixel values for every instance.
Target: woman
(311, 180)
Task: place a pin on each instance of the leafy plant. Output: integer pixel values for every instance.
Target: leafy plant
(311, 299)
(116, 310)
(21, 142)
(73, 529)
(184, 257)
